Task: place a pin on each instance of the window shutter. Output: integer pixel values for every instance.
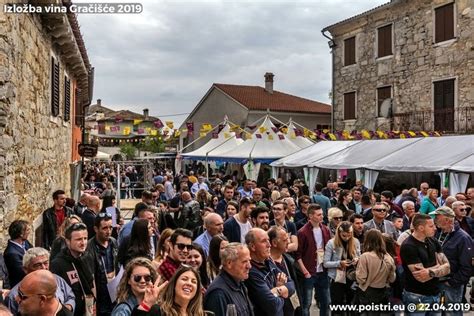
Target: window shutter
(349, 106)
(382, 94)
(444, 23)
(79, 111)
(385, 41)
(54, 87)
(67, 99)
(349, 51)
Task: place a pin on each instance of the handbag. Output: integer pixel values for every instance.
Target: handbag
(88, 299)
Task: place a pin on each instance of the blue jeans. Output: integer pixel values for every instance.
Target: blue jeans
(319, 282)
(452, 295)
(413, 298)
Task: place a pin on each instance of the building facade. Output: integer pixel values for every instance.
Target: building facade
(44, 83)
(405, 65)
(244, 105)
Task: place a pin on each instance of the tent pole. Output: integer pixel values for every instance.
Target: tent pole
(207, 169)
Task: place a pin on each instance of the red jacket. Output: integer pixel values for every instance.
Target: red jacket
(307, 246)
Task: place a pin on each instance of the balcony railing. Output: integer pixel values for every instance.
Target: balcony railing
(458, 120)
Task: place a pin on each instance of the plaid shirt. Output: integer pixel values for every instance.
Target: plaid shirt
(168, 267)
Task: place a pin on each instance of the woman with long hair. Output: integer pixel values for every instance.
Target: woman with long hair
(218, 242)
(139, 274)
(197, 259)
(163, 246)
(139, 245)
(345, 205)
(213, 201)
(340, 258)
(182, 296)
(231, 209)
(202, 197)
(430, 202)
(60, 242)
(375, 270)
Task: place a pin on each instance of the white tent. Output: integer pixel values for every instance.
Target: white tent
(368, 157)
(225, 141)
(264, 146)
(299, 141)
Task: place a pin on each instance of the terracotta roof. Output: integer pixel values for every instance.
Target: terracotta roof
(127, 115)
(99, 108)
(382, 6)
(257, 98)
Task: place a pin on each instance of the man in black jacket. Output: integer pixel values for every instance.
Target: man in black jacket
(77, 267)
(103, 248)
(228, 287)
(53, 218)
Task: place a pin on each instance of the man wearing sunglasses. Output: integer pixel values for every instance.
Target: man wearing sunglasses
(103, 248)
(77, 267)
(36, 295)
(181, 244)
(464, 221)
(379, 212)
(36, 259)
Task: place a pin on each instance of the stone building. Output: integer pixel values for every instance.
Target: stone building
(243, 105)
(45, 79)
(405, 65)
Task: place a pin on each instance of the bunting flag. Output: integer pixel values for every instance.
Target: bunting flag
(412, 134)
(238, 135)
(281, 136)
(381, 134)
(270, 136)
(226, 135)
(202, 134)
(251, 126)
(158, 123)
(259, 136)
(365, 134)
(170, 124)
(153, 132)
(177, 133)
(274, 129)
(425, 134)
(118, 119)
(298, 132)
(136, 122)
(262, 129)
(332, 136)
(206, 127)
(215, 135)
(220, 128)
(126, 130)
(284, 130)
(140, 131)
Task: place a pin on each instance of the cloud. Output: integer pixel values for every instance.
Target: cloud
(167, 57)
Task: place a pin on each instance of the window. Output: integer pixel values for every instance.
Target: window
(349, 106)
(444, 97)
(322, 126)
(67, 99)
(384, 41)
(444, 23)
(383, 93)
(54, 87)
(349, 51)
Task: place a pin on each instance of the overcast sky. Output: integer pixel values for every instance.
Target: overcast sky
(167, 57)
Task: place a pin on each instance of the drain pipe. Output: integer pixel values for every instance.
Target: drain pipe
(332, 45)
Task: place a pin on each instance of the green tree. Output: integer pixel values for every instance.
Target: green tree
(153, 144)
(129, 151)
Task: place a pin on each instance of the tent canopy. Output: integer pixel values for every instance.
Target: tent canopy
(264, 146)
(225, 141)
(299, 140)
(428, 154)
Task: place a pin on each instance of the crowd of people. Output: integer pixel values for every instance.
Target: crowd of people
(195, 247)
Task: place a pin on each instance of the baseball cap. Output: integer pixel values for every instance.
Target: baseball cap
(444, 210)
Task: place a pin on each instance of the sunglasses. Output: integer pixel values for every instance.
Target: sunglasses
(379, 210)
(337, 218)
(137, 278)
(463, 209)
(182, 246)
(104, 215)
(77, 226)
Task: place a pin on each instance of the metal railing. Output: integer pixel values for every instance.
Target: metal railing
(455, 120)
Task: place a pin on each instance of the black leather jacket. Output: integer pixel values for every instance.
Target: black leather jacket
(49, 225)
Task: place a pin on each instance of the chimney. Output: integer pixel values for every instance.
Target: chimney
(269, 82)
(99, 101)
(145, 113)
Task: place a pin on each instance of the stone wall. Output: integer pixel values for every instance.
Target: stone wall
(35, 148)
(416, 62)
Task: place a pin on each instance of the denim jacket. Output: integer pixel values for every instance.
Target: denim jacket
(333, 256)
